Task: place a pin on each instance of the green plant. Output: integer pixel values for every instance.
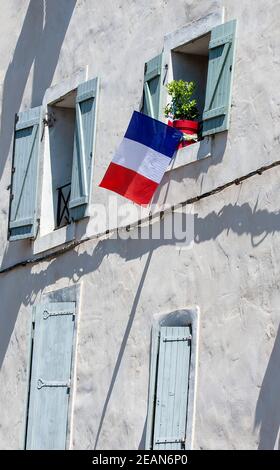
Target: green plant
(181, 105)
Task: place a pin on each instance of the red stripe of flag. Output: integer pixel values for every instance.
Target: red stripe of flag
(128, 183)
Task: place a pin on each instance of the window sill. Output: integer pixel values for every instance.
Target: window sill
(186, 155)
(53, 239)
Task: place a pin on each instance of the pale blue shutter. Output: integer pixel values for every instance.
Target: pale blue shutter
(84, 141)
(50, 376)
(23, 221)
(219, 79)
(172, 383)
(152, 87)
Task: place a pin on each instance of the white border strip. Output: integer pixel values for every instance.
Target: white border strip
(141, 159)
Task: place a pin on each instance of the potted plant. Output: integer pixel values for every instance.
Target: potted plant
(182, 111)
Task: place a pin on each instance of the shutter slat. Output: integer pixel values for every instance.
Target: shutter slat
(84, 142)
(219, 79)
(152, 87)
(21, 223)
(24, 187)
(50, 376)
(172, 389)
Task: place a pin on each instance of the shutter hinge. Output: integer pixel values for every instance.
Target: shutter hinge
(171, 440)
(41, 383)
(11, 197)
(33, 329)
(180, 338)
(13, 169)
(165, 73)
(47, 314)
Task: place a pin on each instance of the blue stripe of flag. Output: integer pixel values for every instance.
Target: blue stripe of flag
(153, 134)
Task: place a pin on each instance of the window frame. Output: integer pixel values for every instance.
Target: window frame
(184, 317)
(182, 36)
(45, 239)
(65, 294)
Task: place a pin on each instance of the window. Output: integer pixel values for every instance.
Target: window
(50, 376)
(61, 124)
(207, 59)
(189, 62)
(172, 380)
(67, 136)
(169, 385)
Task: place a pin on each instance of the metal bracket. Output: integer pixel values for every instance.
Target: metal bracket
(41, 383)
(165, 440)
(184, 338)
(49, 119)
(165, 73)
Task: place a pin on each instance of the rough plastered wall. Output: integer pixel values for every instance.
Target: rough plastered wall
(231, 273)
(45, 42)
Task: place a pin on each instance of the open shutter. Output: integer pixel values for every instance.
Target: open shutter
(172, 388)
(50, 376)
(23, 207)
(152, 87)
(84, 140)
(219, 79)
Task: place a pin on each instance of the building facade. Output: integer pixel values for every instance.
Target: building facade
(124, 327)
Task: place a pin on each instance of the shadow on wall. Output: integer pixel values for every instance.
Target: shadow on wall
(237, 219)
(193, 170)
(241, 220)
(39, 43)
(267, 416)
(258, 224)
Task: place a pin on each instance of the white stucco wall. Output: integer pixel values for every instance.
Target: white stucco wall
(231, 273)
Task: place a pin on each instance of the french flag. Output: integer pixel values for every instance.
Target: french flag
(141, 159)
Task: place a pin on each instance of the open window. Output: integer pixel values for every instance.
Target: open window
(72, 126)
(65, 127)
(208, 60)
(189, 62)
(61, 123)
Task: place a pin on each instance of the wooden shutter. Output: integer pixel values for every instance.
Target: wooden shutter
(219, 79)
(84, 140)
(172, 388)
(24, 187)
(152, 87)
(50, 376)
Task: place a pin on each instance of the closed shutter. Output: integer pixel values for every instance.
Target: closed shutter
(84, 141)
(50, 376)
(219, 79)
(172, 388)
(152, 87)
(23, 207)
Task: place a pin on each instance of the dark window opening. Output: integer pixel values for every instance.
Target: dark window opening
(62, 116)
